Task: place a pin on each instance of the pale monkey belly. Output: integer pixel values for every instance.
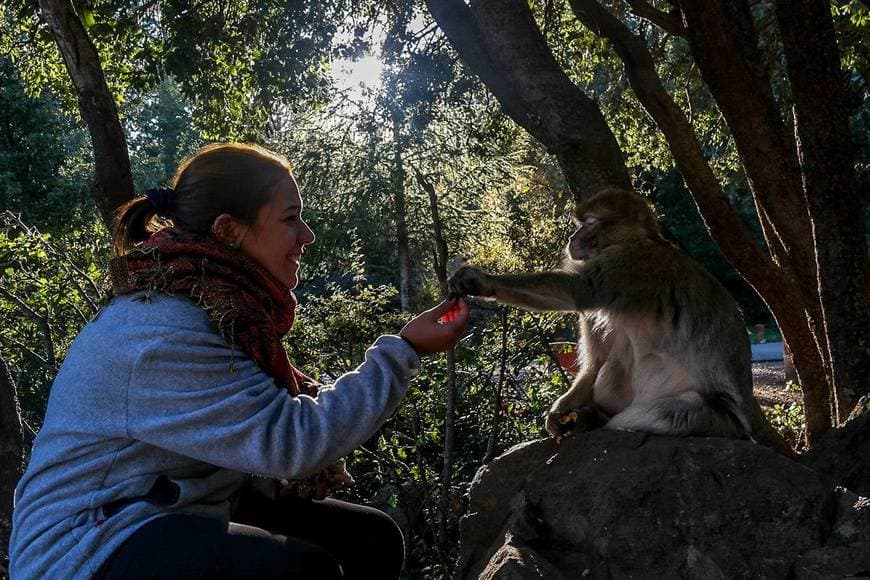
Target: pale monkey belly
(638, 368)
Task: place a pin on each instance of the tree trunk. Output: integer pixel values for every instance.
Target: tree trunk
(826, 157)
(725, 47)
(11, 450)
(402, 238)
(113, 180)
(497, 396)
(441, 254)
(501, 43)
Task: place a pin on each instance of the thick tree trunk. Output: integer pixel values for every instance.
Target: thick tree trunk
(725, 46)
(113, 181)
(826, 158)
(11, 450)
(501, 43)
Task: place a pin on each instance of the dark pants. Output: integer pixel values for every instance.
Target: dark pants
(296, 539)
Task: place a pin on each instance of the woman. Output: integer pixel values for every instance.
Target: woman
(176, 411)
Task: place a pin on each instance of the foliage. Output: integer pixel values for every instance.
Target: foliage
(788, 419)
(236, 62)
(160, 129)
(44, 157)
(49, 288)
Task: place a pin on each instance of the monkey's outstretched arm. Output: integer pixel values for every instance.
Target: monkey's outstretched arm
(542, 291)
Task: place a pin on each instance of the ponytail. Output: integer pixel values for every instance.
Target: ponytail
(133, 224)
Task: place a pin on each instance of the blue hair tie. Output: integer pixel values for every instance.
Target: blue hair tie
(161, 199)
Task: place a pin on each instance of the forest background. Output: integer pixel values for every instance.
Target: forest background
(407, 162)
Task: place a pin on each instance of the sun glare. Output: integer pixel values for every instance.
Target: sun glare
(352, 75)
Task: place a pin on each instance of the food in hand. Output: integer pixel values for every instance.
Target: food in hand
(451, 314)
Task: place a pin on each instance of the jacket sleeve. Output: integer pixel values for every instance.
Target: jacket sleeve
(192, 394)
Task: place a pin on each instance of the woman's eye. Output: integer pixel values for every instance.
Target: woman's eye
(590, 219)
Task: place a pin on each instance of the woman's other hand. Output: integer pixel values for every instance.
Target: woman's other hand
(437, 329)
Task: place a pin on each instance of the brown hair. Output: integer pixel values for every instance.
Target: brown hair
(233, 178)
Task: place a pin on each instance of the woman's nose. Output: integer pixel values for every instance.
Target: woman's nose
(308, 236)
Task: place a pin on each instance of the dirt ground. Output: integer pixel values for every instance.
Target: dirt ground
(768, 379)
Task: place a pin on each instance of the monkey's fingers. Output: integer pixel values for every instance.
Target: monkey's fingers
(563, 436)
(560, 423)
(569, 417)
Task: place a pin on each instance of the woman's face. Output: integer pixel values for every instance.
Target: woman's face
(278, 236)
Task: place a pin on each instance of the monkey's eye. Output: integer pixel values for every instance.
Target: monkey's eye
(590, 220)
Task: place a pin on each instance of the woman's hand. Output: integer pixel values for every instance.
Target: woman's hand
(437, 329)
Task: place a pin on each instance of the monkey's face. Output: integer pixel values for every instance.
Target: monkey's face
(582, 245)
(609, 219)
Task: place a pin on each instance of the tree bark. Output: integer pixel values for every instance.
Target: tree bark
(11, 450)
(500, 42)
(826, 157)
(724, 44)
(112, 185)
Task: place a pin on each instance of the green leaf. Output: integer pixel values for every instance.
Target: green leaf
(87, 18)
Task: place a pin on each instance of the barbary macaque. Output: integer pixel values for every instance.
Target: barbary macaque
(663, 346)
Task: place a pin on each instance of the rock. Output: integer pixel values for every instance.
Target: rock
(843, 455)
(629, 505)
(835, 563)
(517, 561)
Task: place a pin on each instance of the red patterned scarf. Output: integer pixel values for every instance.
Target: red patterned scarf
(249, 306)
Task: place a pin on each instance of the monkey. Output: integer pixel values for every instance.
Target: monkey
(663, 346)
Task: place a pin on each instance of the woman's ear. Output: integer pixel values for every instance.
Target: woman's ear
(228, 230)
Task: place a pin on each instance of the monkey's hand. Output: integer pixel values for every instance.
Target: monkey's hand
(471, 281)
(562, 422)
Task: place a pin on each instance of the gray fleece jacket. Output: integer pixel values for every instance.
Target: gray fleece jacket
(150, 393)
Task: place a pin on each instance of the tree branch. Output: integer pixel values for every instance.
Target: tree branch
(502, 44)
(34, 357)
(668, 22)
(32, 314)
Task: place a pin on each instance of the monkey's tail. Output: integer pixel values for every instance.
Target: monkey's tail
(690, 413)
